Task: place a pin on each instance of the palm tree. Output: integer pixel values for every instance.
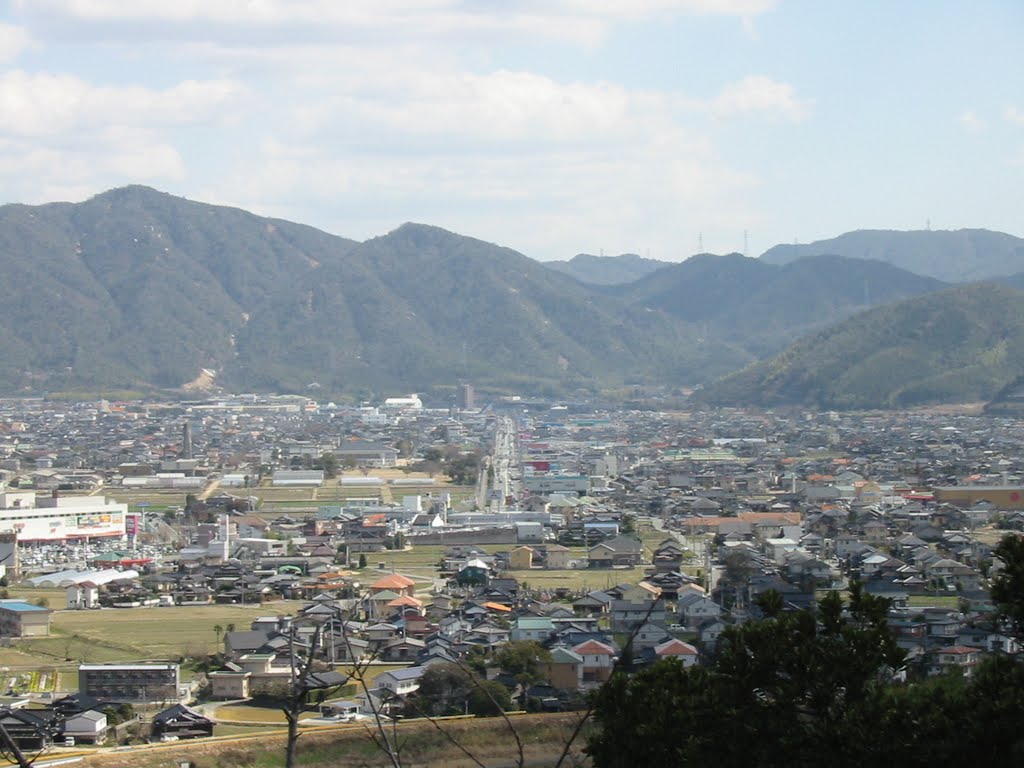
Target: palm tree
(218, 630)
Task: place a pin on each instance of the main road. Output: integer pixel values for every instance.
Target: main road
(505, 464)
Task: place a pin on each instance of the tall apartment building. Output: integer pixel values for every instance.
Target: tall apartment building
(141, 683)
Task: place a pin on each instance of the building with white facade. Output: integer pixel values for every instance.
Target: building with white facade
(59, 518)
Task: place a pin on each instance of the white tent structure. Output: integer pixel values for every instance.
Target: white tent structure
(74, 578)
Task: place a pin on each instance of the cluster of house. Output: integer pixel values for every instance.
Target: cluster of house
(909, 504)
(103, 708)
(390, 624)
(65, 445)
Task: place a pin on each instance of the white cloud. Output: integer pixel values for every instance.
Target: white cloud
(282, 21)
(506, 106)
(39, 104)
(760, 95)
(584, 22)
(547, 170)
(970, 120)
(76, 170)
(305, 116)
(639, 8)
(61, 136)
(1013, 115)
(13, 40)
(331, 12)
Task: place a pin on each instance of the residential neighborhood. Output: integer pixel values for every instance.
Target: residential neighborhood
(585, 540)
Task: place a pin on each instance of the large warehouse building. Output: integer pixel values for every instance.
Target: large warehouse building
(1000, 496)
(59, 518)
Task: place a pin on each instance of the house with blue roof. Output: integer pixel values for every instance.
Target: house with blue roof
(21, 619)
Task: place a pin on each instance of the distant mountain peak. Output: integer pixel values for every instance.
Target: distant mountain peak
(607, 270)
(954, 256)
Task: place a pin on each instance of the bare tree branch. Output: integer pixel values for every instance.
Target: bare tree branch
(447, 734)
(392, 750)
(501, 711)
(627, 648)
(16, 755)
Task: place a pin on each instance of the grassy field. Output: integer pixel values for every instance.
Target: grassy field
(913, 601)
(933, 601)
(349, 746)
(153, 496)
(111, 634)
(422, 560)
(246, 713)
(163, 632)
(578, 580)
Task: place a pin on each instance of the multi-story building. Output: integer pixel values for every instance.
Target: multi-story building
(59, 518)
(129, 682)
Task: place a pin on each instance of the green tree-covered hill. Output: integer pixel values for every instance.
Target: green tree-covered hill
(606, 270)
(763, 307)
(959, 345)
(136, 288)
(957, 256)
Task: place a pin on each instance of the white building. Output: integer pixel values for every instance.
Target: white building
(409, 401)
(59, 518)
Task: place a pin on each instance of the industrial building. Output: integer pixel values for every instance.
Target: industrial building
(1000, 496)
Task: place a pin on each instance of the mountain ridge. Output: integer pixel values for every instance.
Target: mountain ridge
(139, 289)
(607, 270)
(953, 256)
(963, 344)
(760, 306)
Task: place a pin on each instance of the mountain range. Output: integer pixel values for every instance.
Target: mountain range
(761, 307)
(957, 256)
(606, 270)
(137, 289)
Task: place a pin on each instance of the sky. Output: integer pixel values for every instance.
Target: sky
(554, 127)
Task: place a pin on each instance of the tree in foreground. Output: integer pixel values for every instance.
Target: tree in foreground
(807, 689)
(1008, 585)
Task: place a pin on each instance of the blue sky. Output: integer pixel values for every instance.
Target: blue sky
(550, 126)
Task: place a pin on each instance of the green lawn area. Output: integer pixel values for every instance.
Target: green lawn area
(112, 635)
(373, 671)
(155, 497)
(933, 601)
(951, 601)
(421, 558)
(163, 632)
(15, 656)
(580, 579)
(53, 598)
(251, 714)
(256, 728)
